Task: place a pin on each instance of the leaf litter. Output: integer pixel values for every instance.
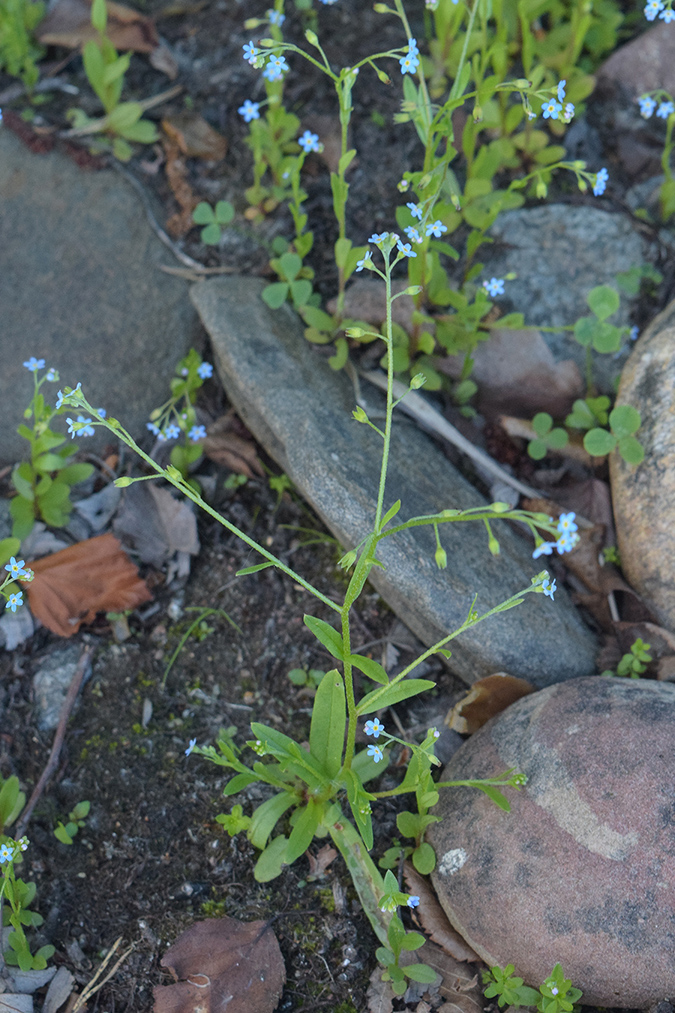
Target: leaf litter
(223, 963)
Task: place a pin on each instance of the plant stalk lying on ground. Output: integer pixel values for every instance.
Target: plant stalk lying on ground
(313, 784)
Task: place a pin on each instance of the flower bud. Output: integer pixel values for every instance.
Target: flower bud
(441, 558)
(418, 380)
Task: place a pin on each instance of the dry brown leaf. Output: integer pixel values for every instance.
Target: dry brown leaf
(433, 918)
(460, 985)
(68, 23)
(380, 995)
(230, 450)
(156, 523)
(487, 697)
(72, 585)
(592, 499)
(319, 863)
(180, 223)
(194, 136)
(223, 964)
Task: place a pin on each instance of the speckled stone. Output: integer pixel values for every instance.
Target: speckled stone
(301, 411)
(644, 497)
(582, 870)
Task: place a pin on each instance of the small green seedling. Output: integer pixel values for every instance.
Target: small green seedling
(105, 72)
(635, 662)
(594, 331)
(624, 421)
(289, 267)
(555, 995)
(589, 413)
(547, 438)
(44, 483)
(18, 51)
(76, 819)
(214, 220)
(306, 677)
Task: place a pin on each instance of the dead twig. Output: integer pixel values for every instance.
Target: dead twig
(53, 760)
(92, 988)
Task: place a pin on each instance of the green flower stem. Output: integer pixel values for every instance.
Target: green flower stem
(471, 620)
(173, 476)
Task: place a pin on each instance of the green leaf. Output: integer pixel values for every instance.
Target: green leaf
(266, 817)
(338, 360)
(302, 834)
(94, 67)
(210, 236)
(48, 441)
(390, 514)
(272, 861)
(495, 795)
(48, 462)
(346, 161)
(203, 214)
(584, 329)
(326, 635)
(99, 15)
(9, 547)
(370, 668)
(537, 450)
(238, 783)
(557, 438)
(603, 301)
(389, 695)
(252, 569)
(359, 802)
(124, 116)
(329, 718)
(316, 318)
(420, 972)
(290, 755)
(408, 824)
(301, 291)
(22, 512)
(115, 70)
(624, 420)
(23, 484)
(290, 266)
(143, 132)
(631, 450)
(74, 473)
(541, 423)
(62, 834)
(275, 294)
(412, 941)
(342, 248)
(598, 442)
(81, 811)
(607, 338)
(224, 212)
(12, 802)
(424, 859)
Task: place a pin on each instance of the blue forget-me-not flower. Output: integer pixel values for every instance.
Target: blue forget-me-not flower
(250, 111)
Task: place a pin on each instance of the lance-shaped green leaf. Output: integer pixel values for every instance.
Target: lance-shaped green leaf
(326, 635)
(359, 801)
(394, 693)
(370, 668)
(266, 817)
(329, 718)
(238, 783)
(305, 823)
(272, 861)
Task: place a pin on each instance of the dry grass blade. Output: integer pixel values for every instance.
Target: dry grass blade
(94, 985)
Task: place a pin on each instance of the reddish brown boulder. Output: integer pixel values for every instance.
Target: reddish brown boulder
(582, 870)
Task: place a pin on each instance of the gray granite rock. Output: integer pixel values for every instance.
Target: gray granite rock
(560, 253)
(80, 287)
(643, 496)
(51, 683)
(581, 871)
(300, 410)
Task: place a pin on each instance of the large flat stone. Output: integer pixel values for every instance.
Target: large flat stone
(300, 410)
(80, 287)
(582, 870)
(643, 496)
